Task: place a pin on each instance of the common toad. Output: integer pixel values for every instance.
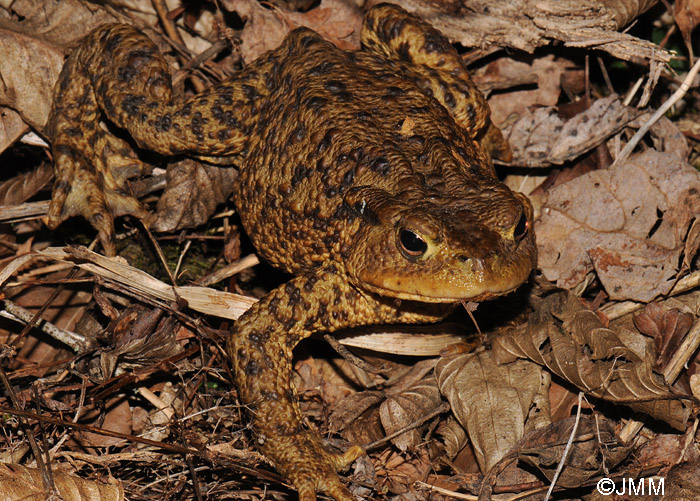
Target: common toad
(365, 174)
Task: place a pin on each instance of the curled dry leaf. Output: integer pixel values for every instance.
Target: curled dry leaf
(454, 437)
(405, 408)
(202, 299)
(541, 138)
(25, 185)
(192, 193)
(489, 399)
(684, 482)
(628, 224)
(12, 127)
(58, 23)
(528, 24)
(665, 135)
(21, 482)
(28, 68)
(370, 415)
(594, 448)
(519, 75)
(687, 16)
(335, 20)
(140, 337)
(357, 417)
(114, 414)
(667, 326)
(572, 343)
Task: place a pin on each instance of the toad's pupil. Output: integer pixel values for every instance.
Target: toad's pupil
(412, 243)
(521, 228)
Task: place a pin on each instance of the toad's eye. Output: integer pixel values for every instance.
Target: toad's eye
(521, 228)
(412, 244)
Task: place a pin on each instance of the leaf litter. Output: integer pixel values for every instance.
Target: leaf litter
(146, 357)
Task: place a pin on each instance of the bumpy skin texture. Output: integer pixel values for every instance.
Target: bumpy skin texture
(362, 173)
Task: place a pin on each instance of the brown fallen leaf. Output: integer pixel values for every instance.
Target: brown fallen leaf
(357, 417)
(490, 400)
(687, 16)
(542, 138)
(335, 20)
(528, 24)
(139, 337)
(12, 127)
(546, 71)
(453, 436)
(368, 416)
(113, 415)
(572, 343)
(664, 449)
(57, 23)
(28, 68)
(683, 481)
(23, 186)
(594, 448)
(667, 326)
(192, 193)
(20, 482)
(628, 224)
(404, 408)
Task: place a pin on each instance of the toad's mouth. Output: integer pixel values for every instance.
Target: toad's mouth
(447, 287)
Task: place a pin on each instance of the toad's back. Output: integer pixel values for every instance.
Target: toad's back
(363, 173)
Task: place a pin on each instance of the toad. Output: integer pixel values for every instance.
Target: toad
(367, 175)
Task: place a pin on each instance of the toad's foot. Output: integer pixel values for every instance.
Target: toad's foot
(90, 182)
(311, 468)
(261, 346)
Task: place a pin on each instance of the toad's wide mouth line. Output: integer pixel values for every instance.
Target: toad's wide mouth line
(482, 294)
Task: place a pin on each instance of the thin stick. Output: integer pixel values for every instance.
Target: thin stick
(560, 467)
(682, 90)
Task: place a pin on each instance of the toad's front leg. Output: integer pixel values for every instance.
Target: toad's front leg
(260, 347)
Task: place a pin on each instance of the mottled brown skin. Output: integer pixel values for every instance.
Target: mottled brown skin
(361, 173)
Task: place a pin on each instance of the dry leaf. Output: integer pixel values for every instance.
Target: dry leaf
(491, 401)
(140, 338)
(23, 186)
(28, 70)
(541, 138)
(628, 224)
(57, 23)
(626, 11)
(113, 415)
(400, 474)
(572, 343)
(404, 408)
(192, 193)
(203, 299)
(357, 416)
(665, 135)
(454, 437)
(663, 449)
(683, 482)
(667, 326)
(594, 448)
(12, 127)
(335, 20)
(21, 483)
(546, 71)
(692, 244)
(687, 16)
(528, 24)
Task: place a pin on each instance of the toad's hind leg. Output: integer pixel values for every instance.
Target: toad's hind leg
(117, 73)
(260, 347)
(390, 31)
